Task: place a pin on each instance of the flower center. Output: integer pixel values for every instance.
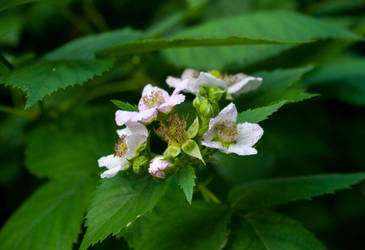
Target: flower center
(216, 73)
(173, 130)
(153, 99)
(225, 132)
(121, 148)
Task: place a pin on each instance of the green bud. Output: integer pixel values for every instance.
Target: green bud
(190, 147)
(208, 109)
(140, 164)
(215, 93)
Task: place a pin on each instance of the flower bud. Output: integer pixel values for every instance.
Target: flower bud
(140, 164)
(205, 108)
(158, 166)
(215, 93)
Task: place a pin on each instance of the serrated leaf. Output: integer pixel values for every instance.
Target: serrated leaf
(117, 203)
(124, 105)
(343, 80)
(51, 218)
(264, 230)
(84, 47)
(270, 25)
(259, 114)
(73, 145)
(278, 85)
(41, 79)
(186, 180)
(173, 224)
(283, 190)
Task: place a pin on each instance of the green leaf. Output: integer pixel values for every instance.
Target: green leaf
(51, 218)
(84, 47)
(193, 129)
(118, 202)
(191, 148)
(278, 85)
(174, 224)
(42, 79)
(269, 230)
(283, 190)
(343, 80)
(4, 4)
(186, 180)
(259, 114)
(270, 25)
(71, 147)
(124, 105)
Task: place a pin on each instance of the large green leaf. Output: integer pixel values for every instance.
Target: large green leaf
(265, 230)
(277, 86)
(270, 25)
(283, 190)
(51, 218)
(344, 80)
(84, 47)
(118, 202)
(186, 180)
(71, 147)
(259, 114)
(174, 224)
(42, 79)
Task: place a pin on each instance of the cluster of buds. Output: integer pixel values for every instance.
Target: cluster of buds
(211, 128)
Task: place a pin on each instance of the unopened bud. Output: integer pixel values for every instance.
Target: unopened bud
(215, 93)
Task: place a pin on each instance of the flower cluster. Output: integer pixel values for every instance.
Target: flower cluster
(212, 129)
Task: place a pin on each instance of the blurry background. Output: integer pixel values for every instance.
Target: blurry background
(320, 135)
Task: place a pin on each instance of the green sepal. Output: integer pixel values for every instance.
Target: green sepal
(140, 164)
(172, 151)
(191, 148)
(193, 129)
(215, 93)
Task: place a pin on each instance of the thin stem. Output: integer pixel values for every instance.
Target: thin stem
(81, 25)
(94, 16)
(6, 62)
(208, 195)
(18, 112)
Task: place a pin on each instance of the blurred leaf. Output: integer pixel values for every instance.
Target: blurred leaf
(186, 180)
(84, 47)
(71, 147)
(269, 230)
(277, 86)
(51, 218)
(343, 80)
(10, 29)
(118, 202)
(4, 4)
(274, 26)
(259, 114)
(124, 105)
(42, 79)
(173, 224)
(283, 190)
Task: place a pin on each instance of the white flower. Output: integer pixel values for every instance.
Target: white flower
(130, 140)
(157, 166)
(225, 135)
(191, 80)
(153, 100)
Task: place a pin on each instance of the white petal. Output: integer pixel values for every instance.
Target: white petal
(147, 115)
(147, 90)
(206, 79)
(173, 81)
(133, 142)
(111, 172)
(213, 144)
(189, 74)
(241, 150)
(122, 132)
(136, 128)
(245, 85)
(208, 136)
(248, 134)
(171, 102)
(229, 113)
(122, 117)
(110, 161)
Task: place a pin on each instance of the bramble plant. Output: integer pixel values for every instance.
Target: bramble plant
(197, 124)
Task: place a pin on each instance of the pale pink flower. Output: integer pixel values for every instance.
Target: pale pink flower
(153, 100)
(130, 141)
(157, 167)
(225, 135)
